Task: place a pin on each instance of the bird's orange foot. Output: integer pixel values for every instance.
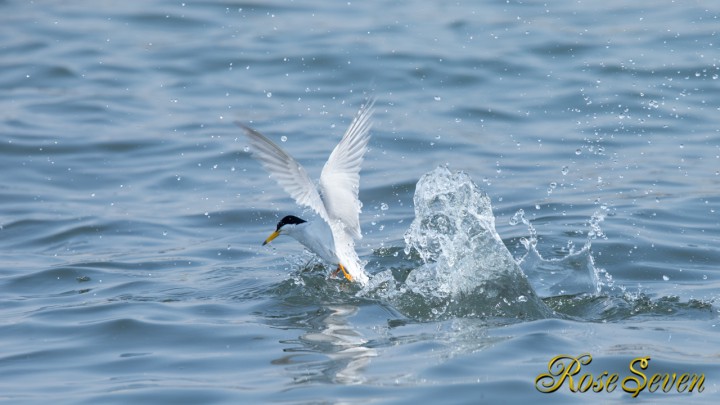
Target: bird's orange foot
(345, 273)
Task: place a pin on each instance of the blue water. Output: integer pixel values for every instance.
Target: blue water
(131, 215)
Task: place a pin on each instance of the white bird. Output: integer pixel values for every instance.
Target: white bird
(335, 200)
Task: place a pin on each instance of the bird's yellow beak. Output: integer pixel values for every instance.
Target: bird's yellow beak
(271, 237)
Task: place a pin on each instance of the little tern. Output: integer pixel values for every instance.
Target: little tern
(335, 199)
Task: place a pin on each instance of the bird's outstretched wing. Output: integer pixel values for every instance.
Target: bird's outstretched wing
(340, 178)
(289, 174)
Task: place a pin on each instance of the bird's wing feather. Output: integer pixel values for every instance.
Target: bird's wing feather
(340, 178)
(289, 174)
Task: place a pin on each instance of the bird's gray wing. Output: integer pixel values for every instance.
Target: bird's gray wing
(288, 173)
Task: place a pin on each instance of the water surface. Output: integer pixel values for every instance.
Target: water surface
(131, 215)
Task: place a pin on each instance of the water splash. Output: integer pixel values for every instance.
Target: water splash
(572, 274)
(465, 268)
(574, 286)
(456, 266)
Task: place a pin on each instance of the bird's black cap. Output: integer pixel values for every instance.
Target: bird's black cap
(290, 219)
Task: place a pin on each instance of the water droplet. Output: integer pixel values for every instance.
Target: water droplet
(666, 278)
(578, 151)
(246, 149)
(268, 94)
(437, 98)
(283, 138)
(565, 170)
(518, 217)
(384, 207)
